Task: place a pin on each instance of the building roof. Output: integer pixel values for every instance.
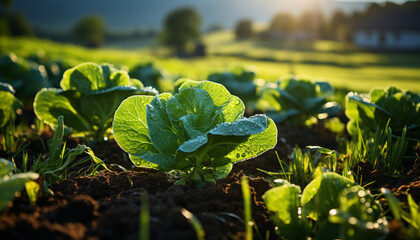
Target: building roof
(391, 20)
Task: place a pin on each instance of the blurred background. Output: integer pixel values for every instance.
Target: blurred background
(354, 44)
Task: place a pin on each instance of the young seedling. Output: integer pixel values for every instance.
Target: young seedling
(11, 183)
(89, 95)
(198, 132)
(246, 195)
(60, 160)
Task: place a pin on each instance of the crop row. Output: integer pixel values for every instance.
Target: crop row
(199, 130)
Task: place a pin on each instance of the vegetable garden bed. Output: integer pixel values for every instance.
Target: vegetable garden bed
(107, 206)
(189, 163)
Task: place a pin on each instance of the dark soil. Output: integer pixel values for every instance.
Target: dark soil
(107, 206)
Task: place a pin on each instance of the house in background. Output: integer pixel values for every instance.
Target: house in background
(390, 30)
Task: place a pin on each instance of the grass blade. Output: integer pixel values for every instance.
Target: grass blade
(246, 194)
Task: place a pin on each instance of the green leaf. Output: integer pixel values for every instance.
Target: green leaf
(9, 185)
(130, 126)
(194, 108)
(85, 78)
(233, 107)
(255, 145)
(283, 205)
(8, 105)
(54, 145)
(48, 106)
(322, 194)
(358, 215)
(100, 107)
(6, 167)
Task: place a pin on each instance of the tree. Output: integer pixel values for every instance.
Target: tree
(283, 22)
(313, 22)
(182, 26)
(339, 24)
(244, 29)
(90, 30)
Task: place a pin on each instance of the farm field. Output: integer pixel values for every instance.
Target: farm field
(126, 142)
(325, 60)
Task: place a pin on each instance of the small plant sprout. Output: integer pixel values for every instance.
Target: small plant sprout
(195, 222)
(144, 217)
(246, 195)
(89, 95)
(11, 183)
(198, 132)
(60, 160)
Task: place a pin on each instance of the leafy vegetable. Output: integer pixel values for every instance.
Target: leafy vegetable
(338, 207)
(11, 183)
(26, 77)
(373, 110)
(300, 101)
(283, 204)
(151, 76)
(89, 96)
(359, 215)
(8, 107)
(199, 131)
(8, 104)
(239, 81)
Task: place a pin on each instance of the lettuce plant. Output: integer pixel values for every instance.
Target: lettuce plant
(338, 207)
(26, 77)
(239, 81)
(370, 111)
(151, 76)
(11, 183)
(89, 95)
(9, 104)
(298, 101)
(199, 131)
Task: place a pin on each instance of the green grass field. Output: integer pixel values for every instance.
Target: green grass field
(342, 65)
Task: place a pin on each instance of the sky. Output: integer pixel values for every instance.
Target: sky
(127, 15)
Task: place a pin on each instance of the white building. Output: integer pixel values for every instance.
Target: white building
(392, 30)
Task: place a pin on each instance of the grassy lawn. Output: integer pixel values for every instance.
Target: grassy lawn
(342, 65)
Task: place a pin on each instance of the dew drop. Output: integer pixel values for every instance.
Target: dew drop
(151, 108)
(238, 155)
(236, 101)
(240, 130)
(230, 130)
(243, 155)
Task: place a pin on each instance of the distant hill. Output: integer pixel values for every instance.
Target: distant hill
(126, 15)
